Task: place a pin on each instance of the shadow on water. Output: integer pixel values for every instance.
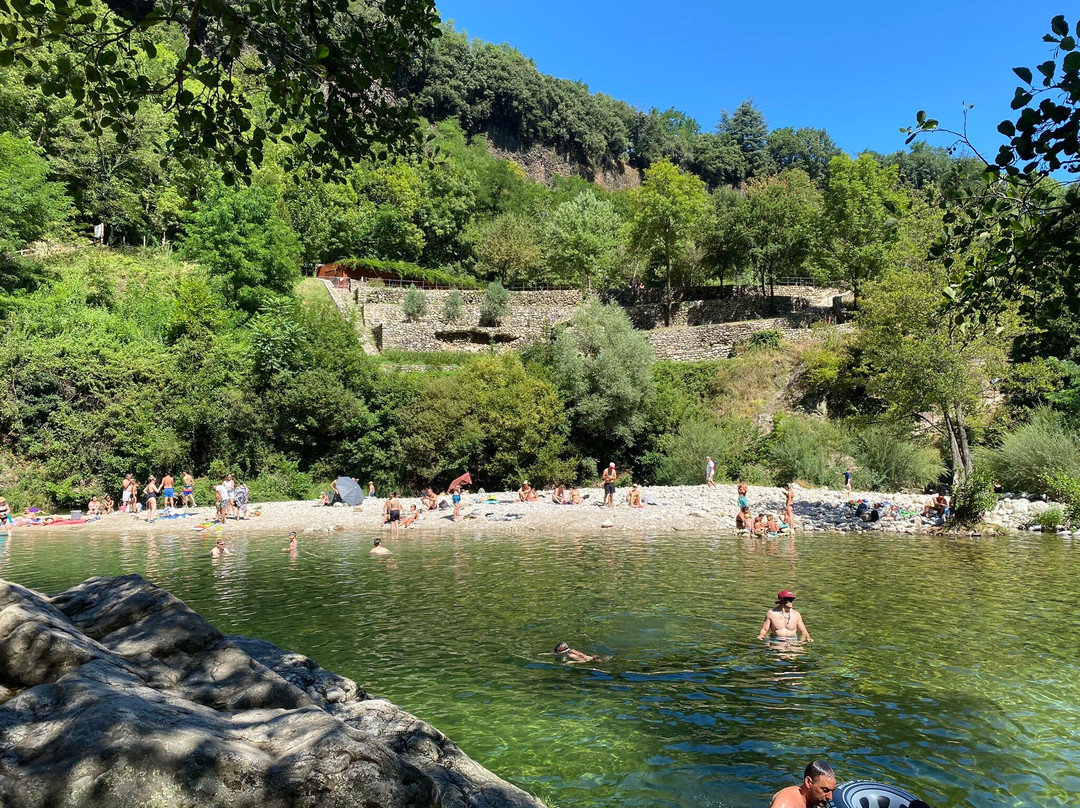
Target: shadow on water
(942, 665)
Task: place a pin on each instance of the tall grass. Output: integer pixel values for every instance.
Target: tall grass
(888, 459)
(1031, 453)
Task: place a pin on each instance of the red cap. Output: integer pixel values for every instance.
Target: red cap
(787, 593)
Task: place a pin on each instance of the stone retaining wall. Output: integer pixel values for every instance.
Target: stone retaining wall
(716, 341)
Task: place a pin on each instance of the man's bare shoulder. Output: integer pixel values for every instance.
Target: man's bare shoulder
(789, 797)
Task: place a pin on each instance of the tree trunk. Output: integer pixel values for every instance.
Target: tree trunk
(965, 449)
(667, 285)
(954, 447)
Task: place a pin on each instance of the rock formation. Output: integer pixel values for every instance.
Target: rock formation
(117, 694)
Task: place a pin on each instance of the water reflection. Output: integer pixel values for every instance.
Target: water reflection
(942, 665)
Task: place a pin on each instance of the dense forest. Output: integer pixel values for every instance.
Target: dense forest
(188, 339)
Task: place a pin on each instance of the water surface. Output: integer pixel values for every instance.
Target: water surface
(945, 666)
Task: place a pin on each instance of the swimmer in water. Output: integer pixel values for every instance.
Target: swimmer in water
(378, 549)
(783, 621)
(572, 656)
(816, 789)
(292, 544)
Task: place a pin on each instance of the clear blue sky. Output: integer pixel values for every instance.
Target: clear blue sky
(858, 69)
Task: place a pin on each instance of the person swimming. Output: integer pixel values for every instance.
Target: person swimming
(572, 655)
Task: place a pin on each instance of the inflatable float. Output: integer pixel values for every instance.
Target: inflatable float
(868, 794)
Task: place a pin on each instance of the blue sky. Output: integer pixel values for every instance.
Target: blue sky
(859, 70)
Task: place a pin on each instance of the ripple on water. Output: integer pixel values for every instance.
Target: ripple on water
(945, 666)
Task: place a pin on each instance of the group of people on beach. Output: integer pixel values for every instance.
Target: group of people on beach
(764, 523)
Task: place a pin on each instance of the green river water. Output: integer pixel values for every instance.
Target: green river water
(944, 666)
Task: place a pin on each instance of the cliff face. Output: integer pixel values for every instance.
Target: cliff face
(542, 163)
(117, 694)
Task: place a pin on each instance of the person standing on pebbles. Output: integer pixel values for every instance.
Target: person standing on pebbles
(608, 479)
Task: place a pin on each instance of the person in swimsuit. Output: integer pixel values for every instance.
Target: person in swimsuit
(5, 512)
(572, 655)
(789, 507)
(394, 510)
(108, 504)
(93, 507)
(783, 621)
(608, 479)
(816, 790)
(744, 500)
(370, 489)
(167, 495)
(151, 493)
(456, 499)
(710, 471)
(378, 549)
(189, 490)
(411, 516)
(292, 544)
(125, 494)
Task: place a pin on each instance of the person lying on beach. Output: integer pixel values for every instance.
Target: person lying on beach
(411, 516)
(573, 656)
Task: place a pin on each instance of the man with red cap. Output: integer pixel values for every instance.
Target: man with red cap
(784, 622)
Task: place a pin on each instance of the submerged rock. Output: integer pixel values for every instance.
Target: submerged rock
(117, 694)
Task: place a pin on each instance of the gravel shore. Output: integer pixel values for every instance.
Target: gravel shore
(682, 508)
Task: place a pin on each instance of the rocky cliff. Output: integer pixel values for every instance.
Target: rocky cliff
(115, 693)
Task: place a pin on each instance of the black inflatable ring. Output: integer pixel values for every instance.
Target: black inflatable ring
(868, 794)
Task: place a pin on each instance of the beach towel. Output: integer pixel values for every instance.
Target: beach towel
(650, 499)
(506, 517)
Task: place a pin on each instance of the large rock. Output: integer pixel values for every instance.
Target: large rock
(117, 694)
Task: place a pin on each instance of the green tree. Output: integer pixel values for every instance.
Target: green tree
(322, 65)
(31, 205)
(770, 228)
(862, 207)
(453, 308)
(668, 211)
(508, 249)
(414, 304)
(1013, 238)
(603, 369)
(496, 304)
(804, 148)
(748, 128)
(240, 237)
(917, 357)
(583, 240)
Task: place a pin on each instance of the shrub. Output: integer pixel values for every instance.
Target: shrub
(415, 304)
(496, 304)
(282, 480)
(1032, 452)
(801, 449)
(765, 338)
(1065, 488)
(973, 497)
(733, 444)
(408, 272)
(1051, 517)
(888, 460)
(453, 308)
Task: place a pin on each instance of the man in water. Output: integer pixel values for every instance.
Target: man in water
(378, 549)
(783, 621)
(220, 549)
(572, 655)
(608, 479)
(816, 790)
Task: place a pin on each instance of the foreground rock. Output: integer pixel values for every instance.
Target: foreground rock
(117, 694)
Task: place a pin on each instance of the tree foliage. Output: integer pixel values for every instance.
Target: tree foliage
(323, 66)
(32, 205)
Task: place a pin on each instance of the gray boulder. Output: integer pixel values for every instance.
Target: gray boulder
(117, 694)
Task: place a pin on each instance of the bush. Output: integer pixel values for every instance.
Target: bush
(973, 497)
(496, 304)
(1065, 488)
(801, 449)
(765, 338)
(888, 460)
(733, 444)
(282, 480)
(1031, 453)
(415, 304)
(408, 272)
(453, 308)
(1051, 517)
